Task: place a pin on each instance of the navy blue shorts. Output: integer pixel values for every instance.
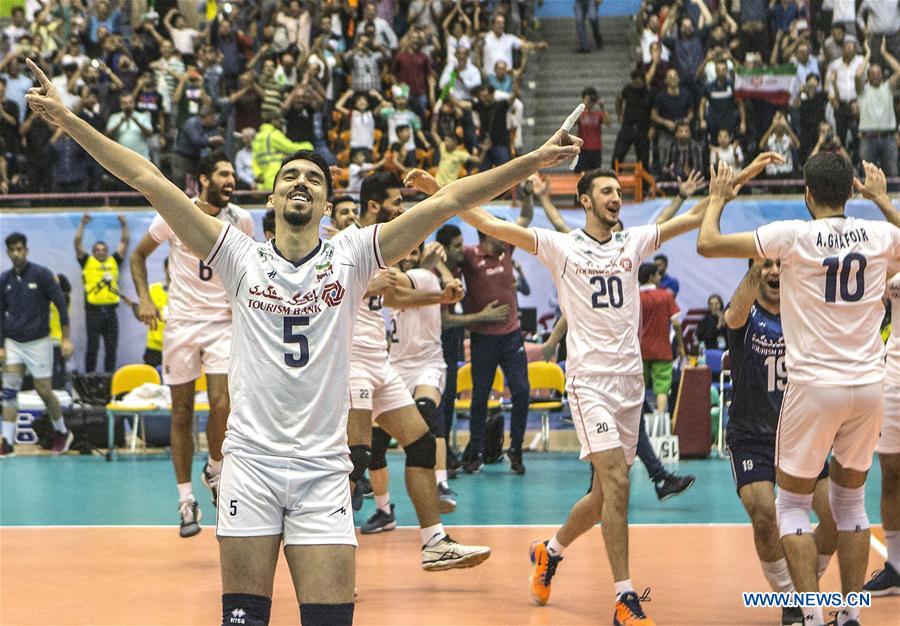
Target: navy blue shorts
(756, 463)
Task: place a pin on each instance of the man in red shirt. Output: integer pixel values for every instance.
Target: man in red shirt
(590, 129)
(413, 67)
(658, 312)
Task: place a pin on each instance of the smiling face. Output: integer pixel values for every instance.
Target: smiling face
(411, 260)
(603, 202)
(770, 285)
(220, 185)
(300, 195)
(100, 251)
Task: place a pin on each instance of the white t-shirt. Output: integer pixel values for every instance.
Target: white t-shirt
(499, 49)
(362, 129)
(783, 147)
(415, 333)
(833, 275)
(355, 176)
(183, 39)
(597, 285)
(369, 336)
(845, 76)
(196, 293)
(293, 323)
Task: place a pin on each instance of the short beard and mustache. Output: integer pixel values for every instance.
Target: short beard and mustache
(214, 197)
(297, 219)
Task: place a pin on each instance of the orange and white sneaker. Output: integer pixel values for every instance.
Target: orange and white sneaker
(543, 568)
(629, 612)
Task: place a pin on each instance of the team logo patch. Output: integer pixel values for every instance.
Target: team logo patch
(333, 293)
(323, 268)
(626, 264)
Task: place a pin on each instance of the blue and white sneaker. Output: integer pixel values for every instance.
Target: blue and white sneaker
(885, 582)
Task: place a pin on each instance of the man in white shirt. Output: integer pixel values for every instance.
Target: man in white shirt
(841, 83)
(499, 46)
(462, 75)
(384, 34)
(805, 62)
(285, 468)
(877, 119)
(834, 269)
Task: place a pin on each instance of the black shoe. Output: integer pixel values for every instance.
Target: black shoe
(453, 462)
(190, 514)
(367, 490)
(379, 522)
(473, 466)
(791, 616)
(884, 582)
(453, 472)
(7, 450)
(356, 496)
(673, 485)
(515, 461)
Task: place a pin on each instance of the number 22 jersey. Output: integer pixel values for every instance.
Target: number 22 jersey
(290, 350)
(833, 273)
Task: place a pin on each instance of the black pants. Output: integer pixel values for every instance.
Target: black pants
(847, 122)
(58, 380)
(102, 321)
(629, 135)
(152, 357)
(452, 342)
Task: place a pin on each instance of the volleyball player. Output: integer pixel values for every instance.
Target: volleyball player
(378, 393)
(197, 339)
(834, 269)
(887, 581)
(287, 437)
(759, 376)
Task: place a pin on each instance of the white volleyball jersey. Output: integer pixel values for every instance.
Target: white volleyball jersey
(415, 333)
(369, 336)
(291, 334)
(195, 292)
(833, 273)
(597, 284)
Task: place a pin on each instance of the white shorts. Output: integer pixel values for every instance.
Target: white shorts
(606, 411)
(305, 500)
(189, 347)
(889, 443)
(36, 356)
(815, 420)
(429, 374)
(376, 386)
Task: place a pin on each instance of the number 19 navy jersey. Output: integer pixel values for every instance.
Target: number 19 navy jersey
(759, 376)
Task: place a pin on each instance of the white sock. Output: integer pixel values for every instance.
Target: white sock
(892, 541)
(813, 616)
(778, 575)
(623, 586)
(384, 502)
(824, 560)
(555, 547)
(440, 476)
(185, 492)
(432, 534)
(59, 425)
(9, 432)
(847, 614)
(215, 467)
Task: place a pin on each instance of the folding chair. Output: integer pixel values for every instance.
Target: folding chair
(127, 378)
(550, 377)
(464, 393)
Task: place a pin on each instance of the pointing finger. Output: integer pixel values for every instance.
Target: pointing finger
(38, 73)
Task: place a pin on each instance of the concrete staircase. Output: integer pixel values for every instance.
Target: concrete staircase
(553, 85)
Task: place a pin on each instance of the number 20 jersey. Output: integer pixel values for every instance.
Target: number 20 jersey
(833, 273)
(196, 294)
(291, 333)
(597, 283)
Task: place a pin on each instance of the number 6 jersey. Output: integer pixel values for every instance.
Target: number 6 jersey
(196, 294)
(292, 325)
(597, 284)
(833, 273)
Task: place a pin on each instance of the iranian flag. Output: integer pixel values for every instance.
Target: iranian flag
(773, 84)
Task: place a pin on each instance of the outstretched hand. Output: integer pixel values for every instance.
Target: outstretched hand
(876, 183)
(694, 182)
(45, 100)
(421, 181)
(560, 148)
(758, 165)
(722, 185)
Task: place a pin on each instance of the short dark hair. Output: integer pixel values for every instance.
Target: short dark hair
(589, 92)
(647, 271)
(585, 182)
(342, 198)
(313, 157)
(447, 233)
(402, 127)
(15, 238)
(376, 187)
(663, 258)
(207, 164)
(269, 221)
(829, 178)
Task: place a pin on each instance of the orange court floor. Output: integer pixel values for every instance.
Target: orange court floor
(694, 574)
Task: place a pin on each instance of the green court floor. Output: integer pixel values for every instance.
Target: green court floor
(85, 490)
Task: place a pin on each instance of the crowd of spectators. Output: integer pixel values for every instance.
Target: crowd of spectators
(387, 84)
(817, 75)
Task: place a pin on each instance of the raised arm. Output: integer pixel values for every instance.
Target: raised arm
(711, 242)
(196, 229)
(739, 310)
(552, 213)
(685, 190)
(80, 252)
(402, 234)
(509, 232)
(875, 189)
(124, 238)
(526, 214)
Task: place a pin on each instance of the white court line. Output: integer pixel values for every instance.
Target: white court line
(648, 525)
(878, 546)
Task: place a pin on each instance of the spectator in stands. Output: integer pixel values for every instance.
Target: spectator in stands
(402, 158)
(493, 128)
(828, 142)
(590, 129)
(687, 47)
(685, 155)
(401, 115)
(841, 83)
(17, 83)
(100, 277)
(39, 154)
(243, 160)
(359, 169)
(159, 295)
(726, 149)
(844, 12)
(633, 105)
(18, 27)
(456, 28)
(362, 120)
(68, 84)
(877, 118)
(247, 102)
(198, 135)
(460, 78)
(453, 157)
(711, 331)
(881, 20)
(809, 105)
(233, 45)
(659, 314)
(103, 17)
(665, 280)
(270, 146)
(412, 67)
(384, 34)
(9, 120)
(293, 27)
(806, 63)
(183, 37)
(656, 69)
(129, 127)
(365, 65)
(71, 171)
(754, 15)
(587, 10)
(299, 111)
(719, 109)
(669, 107)
(499, 46)
(147, 99)
(781, 139)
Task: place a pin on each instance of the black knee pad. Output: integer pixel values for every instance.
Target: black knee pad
(326, 614)
(380, 442)
(428, 409)
(244, 609)
(359, 456)
(421, 452)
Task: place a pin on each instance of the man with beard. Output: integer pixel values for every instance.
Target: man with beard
(759, 377)
(197, 335)
(294, 301)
